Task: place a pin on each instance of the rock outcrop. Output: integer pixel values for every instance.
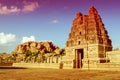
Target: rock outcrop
(36, 47)
(35, 51)
(5, 58)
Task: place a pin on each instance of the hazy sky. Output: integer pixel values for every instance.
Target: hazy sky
(41, 20)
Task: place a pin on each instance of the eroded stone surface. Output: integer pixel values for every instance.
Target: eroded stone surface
(88, 29)
(88, 40)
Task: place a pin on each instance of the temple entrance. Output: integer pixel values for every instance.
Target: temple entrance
(78, 58)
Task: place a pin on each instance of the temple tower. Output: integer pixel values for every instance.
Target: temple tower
(88, 40)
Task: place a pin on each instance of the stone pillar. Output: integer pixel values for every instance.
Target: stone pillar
(56, 59)
(0, 60)
(59, 59)
(50, 59)
(45, 60)
(76, 59)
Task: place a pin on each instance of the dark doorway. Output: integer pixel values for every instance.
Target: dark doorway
(78, 58)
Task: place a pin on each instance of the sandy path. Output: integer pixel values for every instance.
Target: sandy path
(56, 74)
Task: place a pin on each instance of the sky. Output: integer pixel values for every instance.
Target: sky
(51, 20)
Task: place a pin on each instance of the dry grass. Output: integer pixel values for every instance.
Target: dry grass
(56, 74)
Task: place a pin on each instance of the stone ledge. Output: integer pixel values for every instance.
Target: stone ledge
(37, 65)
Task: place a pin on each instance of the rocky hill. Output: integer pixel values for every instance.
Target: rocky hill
(35, 52)
(4, 57)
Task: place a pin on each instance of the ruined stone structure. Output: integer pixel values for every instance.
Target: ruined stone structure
(88, 47)
(88, 41)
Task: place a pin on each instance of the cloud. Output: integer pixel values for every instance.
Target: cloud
(45, 41)
(26, 39)
(7, 42)
(7, 39)
(30, 6)
(27, 6)
(4, 10)
(55, 21)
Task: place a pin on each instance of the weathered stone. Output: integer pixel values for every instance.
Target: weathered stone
(5, 58)
(34, 51)
(88, 39)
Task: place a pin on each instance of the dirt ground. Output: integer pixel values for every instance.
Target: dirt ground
(57, 74)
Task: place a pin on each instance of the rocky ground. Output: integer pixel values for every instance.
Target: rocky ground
(57, 74)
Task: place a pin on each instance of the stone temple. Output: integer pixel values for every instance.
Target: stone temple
(88, 47)
(87, 42)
